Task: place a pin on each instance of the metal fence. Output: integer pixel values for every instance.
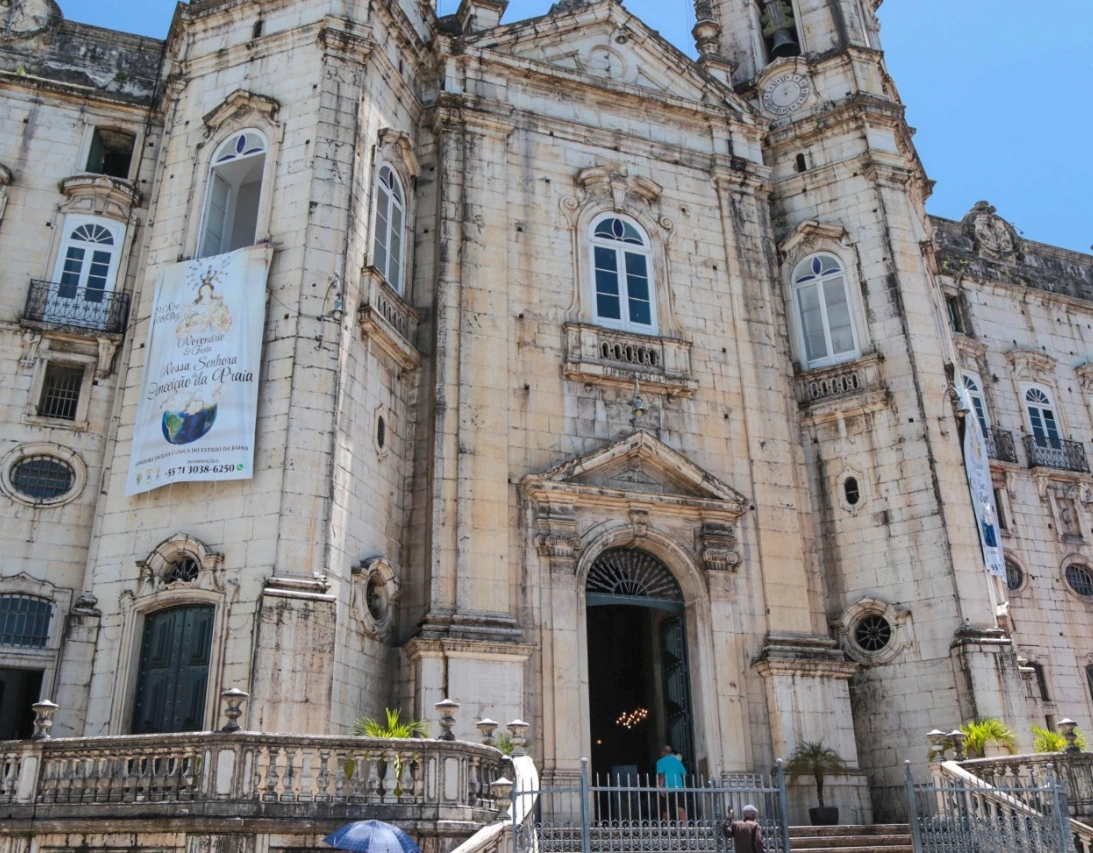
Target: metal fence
(989, 816)
(632, 814)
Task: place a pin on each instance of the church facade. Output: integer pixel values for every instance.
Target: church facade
(596, 386)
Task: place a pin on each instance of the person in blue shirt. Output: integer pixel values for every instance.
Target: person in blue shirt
(671, 774)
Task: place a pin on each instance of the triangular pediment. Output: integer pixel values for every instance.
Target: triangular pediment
(640, 466)
(604, 44)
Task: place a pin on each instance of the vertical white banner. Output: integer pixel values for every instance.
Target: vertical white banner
(199, 395)
(978, 467)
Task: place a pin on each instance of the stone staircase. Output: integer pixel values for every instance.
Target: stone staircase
(888, 838)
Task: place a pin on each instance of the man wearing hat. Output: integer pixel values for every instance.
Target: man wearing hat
(746, 834)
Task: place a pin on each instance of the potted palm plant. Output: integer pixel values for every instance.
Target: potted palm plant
(985, 732)
(812, 758)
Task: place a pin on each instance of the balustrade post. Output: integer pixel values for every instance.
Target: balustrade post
(390, 776)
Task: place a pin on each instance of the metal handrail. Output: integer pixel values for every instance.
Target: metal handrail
(1048, 452)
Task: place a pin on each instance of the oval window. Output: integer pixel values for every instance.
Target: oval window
(381, 432)
(1014, 576)
(851, 490)
(42, 478)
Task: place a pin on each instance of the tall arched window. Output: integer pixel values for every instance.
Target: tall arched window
(87, 263)
(975, 392)
(825, 321)
(621, 276)
(389, 226)
(233, 195)
(1041, 417)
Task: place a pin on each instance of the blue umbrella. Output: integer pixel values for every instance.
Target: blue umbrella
(371, 836)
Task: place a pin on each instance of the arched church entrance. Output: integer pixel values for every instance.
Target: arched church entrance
(639, 689)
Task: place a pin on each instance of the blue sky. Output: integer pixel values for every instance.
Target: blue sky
(998, 89)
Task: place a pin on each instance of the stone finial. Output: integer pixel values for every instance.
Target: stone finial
(957, 737)
(502, 792)
(1068, 727)
(477, 16)
(447, 708)
(486, 727)
(43, 718)
(233, 701)
(517, 730)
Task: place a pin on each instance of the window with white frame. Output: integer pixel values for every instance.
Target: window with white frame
(825, 318)
(621, 274)
(87, 262)
(233, 195)
(1041, 416)
(387, 255)
(974, 386)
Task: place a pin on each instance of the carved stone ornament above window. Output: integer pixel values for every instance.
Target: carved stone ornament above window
(1032, 366)
(994, 238)
(179, 562)
(239, 107)
(396, 143)
(375, 593)
(811, 236)
(100, 195)
(625, 192)
(1085, 376)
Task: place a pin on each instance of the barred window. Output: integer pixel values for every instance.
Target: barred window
(60, 391)
(1080, 579)
(24, 621)
(42, 477)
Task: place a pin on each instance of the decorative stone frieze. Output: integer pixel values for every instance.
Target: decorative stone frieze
(240, 106)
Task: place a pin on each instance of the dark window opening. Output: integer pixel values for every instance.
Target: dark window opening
(779, 28)
(1081, 580)
(802, 165)
(851, 490)
(956, 315)
(1014, 576)
(184, 569)
(257, 30)
(60, 396)
(1000, 510)
(1041, 681)
(111, 153)
(1089, 678)
(19, 689)
(381, 432)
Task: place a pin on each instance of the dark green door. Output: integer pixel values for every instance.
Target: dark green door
(677, 688)
(174, 671)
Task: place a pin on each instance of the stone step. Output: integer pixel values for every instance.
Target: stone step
(851, 839)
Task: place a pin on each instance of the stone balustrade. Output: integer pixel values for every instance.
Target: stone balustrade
(1075, 770)
(249, 774)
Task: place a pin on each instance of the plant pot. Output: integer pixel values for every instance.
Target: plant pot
(824, 815)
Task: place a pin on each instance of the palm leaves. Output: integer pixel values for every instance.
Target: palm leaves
(812, 758)
(987, 730)
(1045, 740)
(393, 728)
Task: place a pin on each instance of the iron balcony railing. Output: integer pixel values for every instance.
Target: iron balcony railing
(79, 308)
(1056, 453)
(1000, 445)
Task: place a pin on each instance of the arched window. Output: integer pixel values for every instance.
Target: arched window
(1041, 416)
(87, 263)
(389, 228)
(233, 195)
(825, 321)
(621, 278)
(975, 392)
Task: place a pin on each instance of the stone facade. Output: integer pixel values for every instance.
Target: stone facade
(542, 292)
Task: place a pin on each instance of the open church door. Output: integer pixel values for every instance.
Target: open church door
(677, 689)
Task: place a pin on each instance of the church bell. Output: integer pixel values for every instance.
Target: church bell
(784, 43)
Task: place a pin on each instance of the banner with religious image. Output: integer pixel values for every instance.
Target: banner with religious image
(978, 467)
(199, 395)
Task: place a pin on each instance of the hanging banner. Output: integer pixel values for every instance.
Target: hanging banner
(978, 467)
(199, 395)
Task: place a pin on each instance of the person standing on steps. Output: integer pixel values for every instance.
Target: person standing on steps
(746, 834)
(671, 774)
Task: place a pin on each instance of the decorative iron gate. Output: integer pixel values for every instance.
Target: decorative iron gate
(633, 815)
(996, 816)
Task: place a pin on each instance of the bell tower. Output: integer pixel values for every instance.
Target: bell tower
(856, 282)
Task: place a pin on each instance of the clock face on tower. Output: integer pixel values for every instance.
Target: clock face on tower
(785, 93)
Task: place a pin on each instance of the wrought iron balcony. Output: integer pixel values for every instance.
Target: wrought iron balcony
(63, 306)
(1000, 445)
(1056, 453)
